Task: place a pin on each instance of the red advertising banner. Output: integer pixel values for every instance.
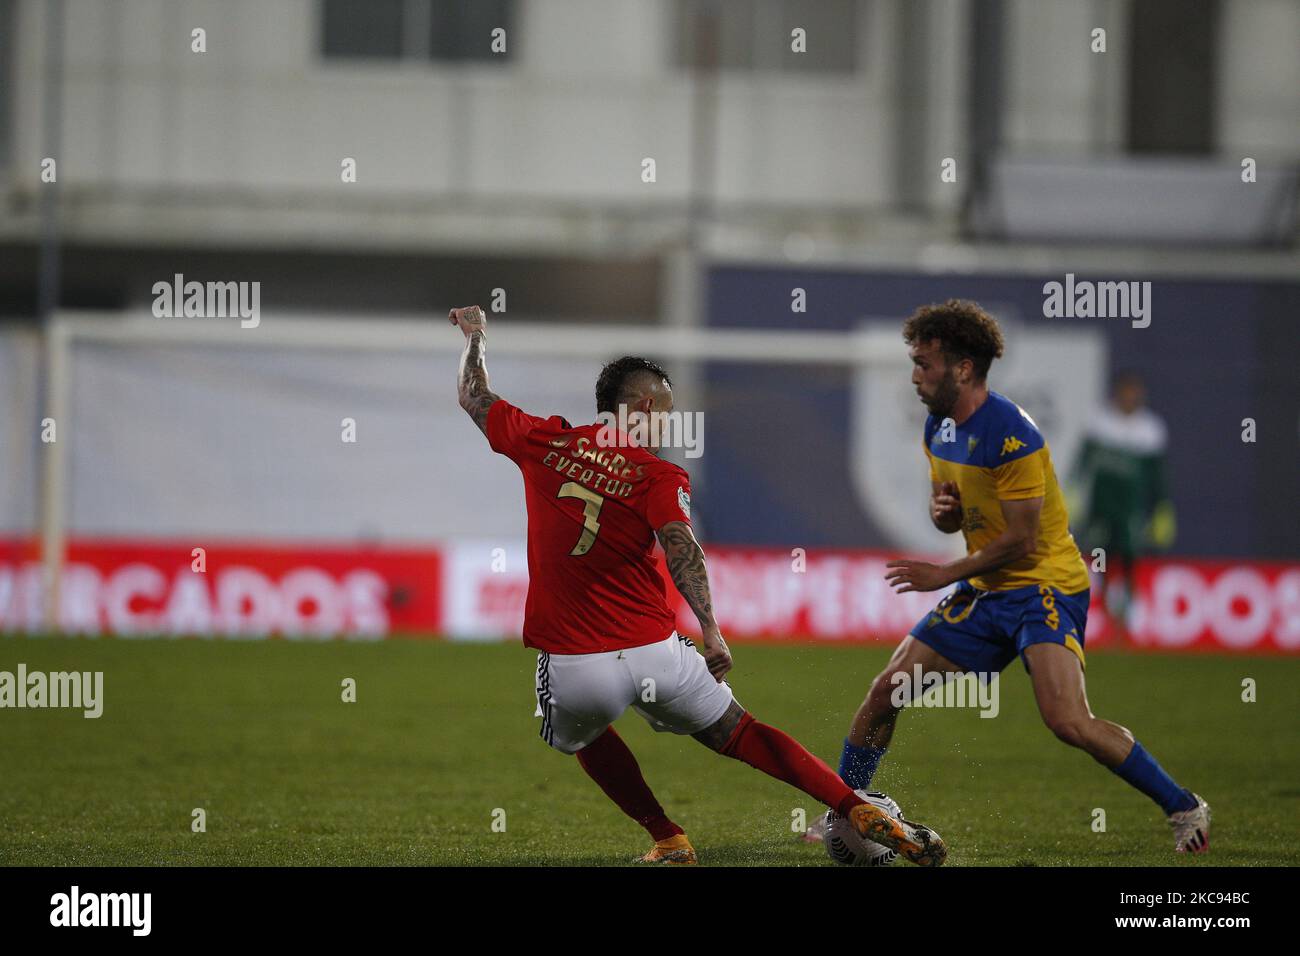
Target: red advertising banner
(132, 588)
(1218, 605)
(1176, 604)
(474, 590)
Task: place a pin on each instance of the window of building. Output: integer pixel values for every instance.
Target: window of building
(756, 35)
(415, 30)
(1172, 70)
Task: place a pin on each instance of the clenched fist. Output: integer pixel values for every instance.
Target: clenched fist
(470, 318)
(945, 507)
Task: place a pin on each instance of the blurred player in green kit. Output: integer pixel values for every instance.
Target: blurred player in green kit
(1120, 475)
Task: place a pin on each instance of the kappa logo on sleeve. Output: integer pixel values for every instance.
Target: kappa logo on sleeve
(1012, 444)
(684, 501)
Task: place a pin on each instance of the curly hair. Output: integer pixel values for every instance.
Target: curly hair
(612, 384)
(964, 331)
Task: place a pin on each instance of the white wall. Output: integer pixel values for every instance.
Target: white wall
(243, 144)
(592, 92)
(1259, 113)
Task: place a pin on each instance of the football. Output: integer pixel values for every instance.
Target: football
(844, 845)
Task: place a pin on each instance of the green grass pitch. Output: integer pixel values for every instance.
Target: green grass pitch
(442, 735)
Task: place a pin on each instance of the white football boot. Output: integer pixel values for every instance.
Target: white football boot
(1192, 828)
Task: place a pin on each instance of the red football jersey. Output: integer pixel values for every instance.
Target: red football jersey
(593, 584)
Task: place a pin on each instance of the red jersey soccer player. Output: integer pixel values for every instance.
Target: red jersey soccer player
(598, 615)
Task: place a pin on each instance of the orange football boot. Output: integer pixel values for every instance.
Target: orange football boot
(914, 841)
(675, 851)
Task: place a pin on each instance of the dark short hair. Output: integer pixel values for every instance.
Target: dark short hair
(612, 384)
(964, 331)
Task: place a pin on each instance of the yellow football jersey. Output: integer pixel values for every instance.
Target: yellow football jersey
(996, 455)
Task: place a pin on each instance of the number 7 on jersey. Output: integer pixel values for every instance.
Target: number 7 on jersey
(590, 512)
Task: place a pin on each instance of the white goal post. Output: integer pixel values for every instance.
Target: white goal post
(683, 345)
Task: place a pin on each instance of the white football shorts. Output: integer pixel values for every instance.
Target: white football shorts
(667, 683)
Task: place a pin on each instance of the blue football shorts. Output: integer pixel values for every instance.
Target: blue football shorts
(984, 631)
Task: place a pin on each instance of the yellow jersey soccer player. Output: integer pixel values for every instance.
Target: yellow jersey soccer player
(1022, 588)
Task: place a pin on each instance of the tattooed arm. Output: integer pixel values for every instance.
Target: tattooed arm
(686, 565)
(475, 396)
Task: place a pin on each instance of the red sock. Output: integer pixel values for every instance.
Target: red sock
(608, 761)
(779, 755)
